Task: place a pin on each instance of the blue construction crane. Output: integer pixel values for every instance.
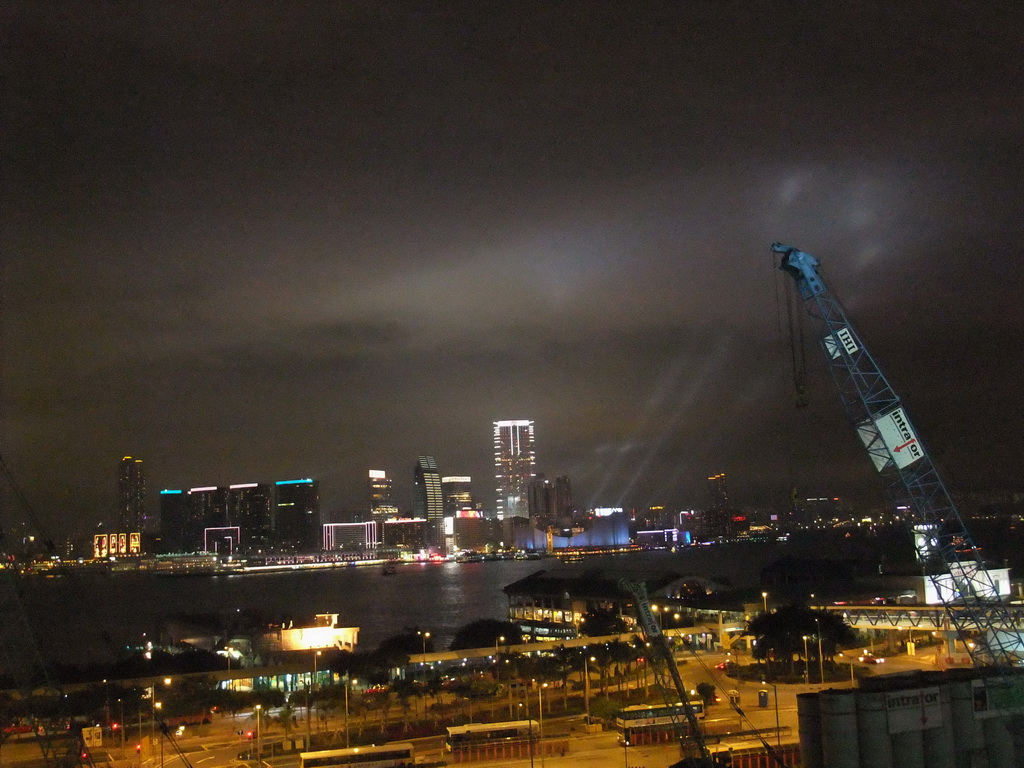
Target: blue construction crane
(953, 562)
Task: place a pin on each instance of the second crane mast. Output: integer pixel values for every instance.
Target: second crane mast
(966, 588)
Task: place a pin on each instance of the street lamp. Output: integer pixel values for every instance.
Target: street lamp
(764, 599)
(778, 730)
(423, 639)
(807, 661)
(586, 682)
(499, 640)
(821, 658)
(259, 734)
(348, 684)
(540, 723)
(156, 706)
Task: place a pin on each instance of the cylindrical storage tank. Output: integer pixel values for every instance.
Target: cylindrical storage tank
(939, 750)
(839, 729)
(873, 731)
(968, 738)
(908, 748)
(808, 712)
(998, 744)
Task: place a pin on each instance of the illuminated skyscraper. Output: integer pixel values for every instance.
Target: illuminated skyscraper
(427, 499)
(514, 462)
(131, 493)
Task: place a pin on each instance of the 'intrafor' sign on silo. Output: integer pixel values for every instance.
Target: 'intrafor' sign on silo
(913, 710)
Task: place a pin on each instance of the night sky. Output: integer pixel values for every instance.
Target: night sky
(257, 241)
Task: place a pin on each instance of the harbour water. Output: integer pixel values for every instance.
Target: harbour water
(85, 617)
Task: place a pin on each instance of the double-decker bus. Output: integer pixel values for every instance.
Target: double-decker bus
(395, 755)
(644, 724)
(476, 734)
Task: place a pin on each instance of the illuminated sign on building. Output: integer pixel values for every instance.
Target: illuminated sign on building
(116, 544)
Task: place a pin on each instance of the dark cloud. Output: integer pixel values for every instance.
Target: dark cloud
(248, 242)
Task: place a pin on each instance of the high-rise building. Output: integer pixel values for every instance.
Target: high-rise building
(541, 501)
(716, 491)
(297, 516)
(205, 507)
(427, 499)
(564, 504)
(131, 493)
(249, 509)
(173, 521)
(381, 505)
(457, 494)
(514, 462)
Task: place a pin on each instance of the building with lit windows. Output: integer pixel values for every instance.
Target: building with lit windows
(297, 515)
(205, 507)
(250, 510)
(131, 494)
(427, 498)
(514, 466)
(359, 537)
(457, 495)
(382, 507)
(405, 533)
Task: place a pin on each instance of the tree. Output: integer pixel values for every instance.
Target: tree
(483, 633)
(779, 635)
(706, 691)
(601, 623)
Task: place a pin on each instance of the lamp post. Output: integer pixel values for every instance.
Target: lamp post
(120, 707)
(156, 706)
(807, 661)
(775, 693)
(348, 683)
(586, 682)
(540, 722)
(764, 599)
(259, 734)
(821, 657)
(499, 640)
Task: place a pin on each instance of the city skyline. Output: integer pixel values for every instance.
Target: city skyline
(308, 240)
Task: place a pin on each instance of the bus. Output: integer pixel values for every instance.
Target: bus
(648, 723)
(476, 734)
(394, 755)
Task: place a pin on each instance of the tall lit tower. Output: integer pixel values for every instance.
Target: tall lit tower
(131, 492)
(427, 499)
(514, 462)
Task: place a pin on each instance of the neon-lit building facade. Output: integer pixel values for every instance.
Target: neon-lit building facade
(514, 466)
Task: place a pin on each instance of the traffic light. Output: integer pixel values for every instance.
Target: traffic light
(249, 735)
(138, 749)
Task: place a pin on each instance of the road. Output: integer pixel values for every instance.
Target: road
(220, 744)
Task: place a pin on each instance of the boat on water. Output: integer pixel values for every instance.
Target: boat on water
(389, 569)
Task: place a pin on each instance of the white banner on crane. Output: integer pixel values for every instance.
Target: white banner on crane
(899, 438)
(841, 339)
